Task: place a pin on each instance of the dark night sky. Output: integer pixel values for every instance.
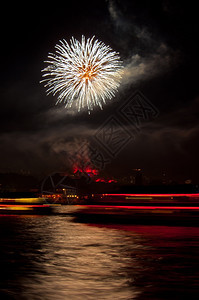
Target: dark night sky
(157, 41)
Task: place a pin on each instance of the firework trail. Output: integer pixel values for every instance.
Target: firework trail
(87, 73)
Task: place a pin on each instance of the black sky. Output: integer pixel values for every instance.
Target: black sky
(158, 43)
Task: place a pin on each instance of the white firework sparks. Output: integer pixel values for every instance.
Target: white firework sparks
(87, 73)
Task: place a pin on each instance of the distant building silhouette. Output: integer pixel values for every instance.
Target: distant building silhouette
(138, 177)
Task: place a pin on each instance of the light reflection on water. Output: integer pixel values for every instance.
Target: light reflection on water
(52, 257)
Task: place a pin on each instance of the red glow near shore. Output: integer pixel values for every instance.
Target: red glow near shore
(105, 180)
(88, 170)
(93, 173)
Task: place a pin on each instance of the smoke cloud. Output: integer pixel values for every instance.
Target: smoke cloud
(148, 56)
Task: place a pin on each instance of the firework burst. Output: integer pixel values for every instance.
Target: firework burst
(86, 73)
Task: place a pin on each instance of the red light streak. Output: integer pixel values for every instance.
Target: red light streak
(154, 195)
(144, 207)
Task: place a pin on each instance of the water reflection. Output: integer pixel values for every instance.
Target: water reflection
(52, 257)
(171, 257)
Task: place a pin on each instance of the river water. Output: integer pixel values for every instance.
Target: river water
(54, 257)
